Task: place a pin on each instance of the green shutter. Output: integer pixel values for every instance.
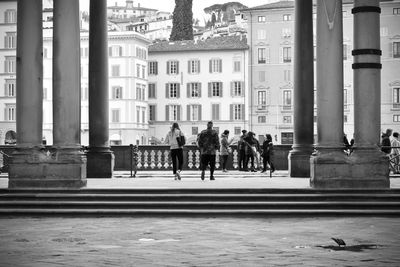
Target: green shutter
(243, 111)
(167, 67)
(179, 113)
(209, 89)
(156, 67)
(188, 112)
(220, 65)
(231, 112)
(199, 112)
(199, 86)
(178, 90)
(210, 65)
(198, 66)
(232, 86)
(166, 90)
(167, 113)
(177, 67)
(189, 66)
(221, 89)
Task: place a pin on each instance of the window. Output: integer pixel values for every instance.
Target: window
(153, 68)
(287, 75)
(215, 65)
(138, 70)
(287, 54)
(396, 49)
(10, 112)
(10, 88)
(287, 17)
(10, 40)
(194, 66)
(215, 89)
(138, 114)
(287, 119)
(215, 112)
(344, 51)
(172, 67)
(261, 100)
(237, 130)
(194, 90)
(194, 112)
(286, 32)
(195, 130)
(237, 112)
(287, 99)
(345, 102)
(262, 119)
(140, 92)
(261, 76)
(9, 65)
(261, 18)
(143, 72)
(115, 115)
(396, 97)
(141, 53)
(172, 90)
(10, 16)
(115, 70)
(286, 138)
(396, 118)
(236, 88)
(115, 51)
(396, 11)
(261, 34)
(152, 90)
(116, 92)
(143, 115)
(236, 66)
(152, 112)
(261, 56)
(173, 113)
(84, 51)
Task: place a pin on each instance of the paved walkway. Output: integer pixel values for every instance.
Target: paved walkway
(191, 179)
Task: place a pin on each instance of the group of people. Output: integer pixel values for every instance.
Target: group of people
(209, 143)
(391, 146)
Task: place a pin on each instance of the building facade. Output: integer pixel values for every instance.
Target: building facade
(270, 31)
(193, 82)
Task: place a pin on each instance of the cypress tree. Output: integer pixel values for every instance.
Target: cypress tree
(182, 21)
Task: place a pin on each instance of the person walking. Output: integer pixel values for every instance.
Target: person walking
(176, 149)
(208, 143)
(242, 151)
(224, 152)
(267, 153)
(251, 148)
(386, 141)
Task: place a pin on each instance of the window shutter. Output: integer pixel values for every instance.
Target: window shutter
(155, 112)
(179, 113)
(199, 87)
(178, 90)
(280, 54)
(242, 89)
(188, 112)
(120, 51)
(221, 89)
(198, 66)
(167, 67)
(188, 90)
(166, 90)
(199, 108)
(220, 65)
(189, 66)
(390, 50)
(156, 67)
(177, 67)
(5, 90)
(167, 113)
(209, 89)
(242, 110)
(231, 112)
(210, 65)
(267, 57)
(232, 86)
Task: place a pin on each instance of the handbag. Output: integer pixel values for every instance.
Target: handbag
(181, 140)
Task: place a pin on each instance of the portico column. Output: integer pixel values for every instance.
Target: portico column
(69, 165)
(329, 164)
(299, 156)
(25, 164)
(100, 157)
(371, 163)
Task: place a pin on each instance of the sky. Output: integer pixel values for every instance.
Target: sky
(168, 5)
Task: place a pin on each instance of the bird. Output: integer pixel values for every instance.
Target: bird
(339, 241)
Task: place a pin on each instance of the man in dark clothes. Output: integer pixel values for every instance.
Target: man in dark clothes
(208, 143)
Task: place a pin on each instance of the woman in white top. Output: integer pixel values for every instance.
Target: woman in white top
(176, 150)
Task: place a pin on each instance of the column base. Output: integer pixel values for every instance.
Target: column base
(40, 168)
(363, 169)
(100, 163)
(299, 163)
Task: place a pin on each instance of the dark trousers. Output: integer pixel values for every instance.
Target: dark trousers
(208, 159)
(224, 161)
(266, 161)
(242, 159)
(177, 159)
(246, 162)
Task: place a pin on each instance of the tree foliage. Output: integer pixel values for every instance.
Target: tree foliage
(182, 21)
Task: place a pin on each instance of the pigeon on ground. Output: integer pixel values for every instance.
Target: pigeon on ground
(339, 241)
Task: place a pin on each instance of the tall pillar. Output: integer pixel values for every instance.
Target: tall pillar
(100, 157)
(69, 165)
(25, 167)
(299, 156)
(329, 166)
(370, 165)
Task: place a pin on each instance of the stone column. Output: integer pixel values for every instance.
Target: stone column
(69, 165)
(25, 168)
(329, 166)
(100, 157)
(299, 156)
(370, 165)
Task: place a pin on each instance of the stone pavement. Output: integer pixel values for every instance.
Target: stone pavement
(198, 241)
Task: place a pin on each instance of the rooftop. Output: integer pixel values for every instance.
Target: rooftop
(216, 43)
